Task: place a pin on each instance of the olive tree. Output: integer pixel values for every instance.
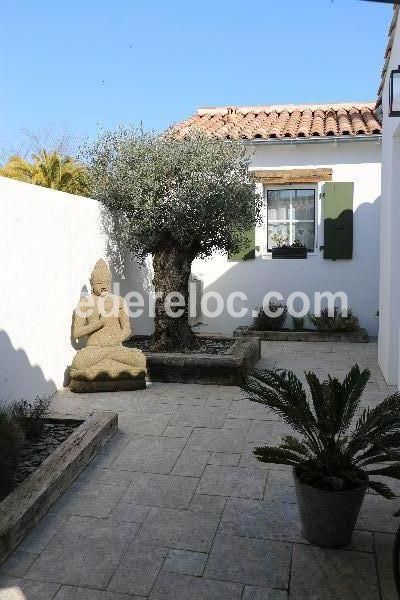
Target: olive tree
(176, 199)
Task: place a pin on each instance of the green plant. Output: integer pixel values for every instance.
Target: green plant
(297, 244)
(49, 169)
(334, 448)
(273, 321)
(176, 197)
(11, 441)
(335, 321)
(30, 416)
(298, 323)
(279, 239)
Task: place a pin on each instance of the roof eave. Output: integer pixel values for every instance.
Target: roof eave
(375, 137)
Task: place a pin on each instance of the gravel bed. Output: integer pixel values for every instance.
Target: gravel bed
(207, 345)
(36, 450)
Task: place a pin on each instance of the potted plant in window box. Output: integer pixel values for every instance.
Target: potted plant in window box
(294, 250)
(329, 461)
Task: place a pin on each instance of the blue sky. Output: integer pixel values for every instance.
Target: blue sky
(85, 64)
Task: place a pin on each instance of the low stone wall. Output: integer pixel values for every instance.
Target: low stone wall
(360, 336)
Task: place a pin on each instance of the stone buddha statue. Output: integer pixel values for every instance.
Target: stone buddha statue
(104, 364)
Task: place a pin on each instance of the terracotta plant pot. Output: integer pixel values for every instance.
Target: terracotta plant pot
(328, 518)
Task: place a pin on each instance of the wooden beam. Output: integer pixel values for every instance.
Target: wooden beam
(21, 510)
(292, 176)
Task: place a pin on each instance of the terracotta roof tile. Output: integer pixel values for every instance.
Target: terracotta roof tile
(286, 121)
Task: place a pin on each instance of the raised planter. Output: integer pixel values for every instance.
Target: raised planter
(289, 252)
(360, 336)
(21, 510)
(228, 368)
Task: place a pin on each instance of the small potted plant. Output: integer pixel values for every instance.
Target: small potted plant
(330, 459)
(284, 250)
(272, 320)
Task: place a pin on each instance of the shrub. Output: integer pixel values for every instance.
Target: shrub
(11, 441)
(335, 322)
(30, 416)
(333, 451)
(298, 323)
(264, 322)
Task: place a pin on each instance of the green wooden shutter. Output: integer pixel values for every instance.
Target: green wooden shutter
(248, 249)
(338, 220)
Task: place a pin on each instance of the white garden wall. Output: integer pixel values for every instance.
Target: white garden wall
(357, 162)
(389, 334)
(49, 242)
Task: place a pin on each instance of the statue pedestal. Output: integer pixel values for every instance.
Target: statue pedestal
(81, 386)
(107, 376)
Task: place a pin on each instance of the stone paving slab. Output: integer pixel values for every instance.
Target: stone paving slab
(138, 570)
(84, 552)
(78, 593)
(171, 586)
(185, 562)
(161, 490)
(250, 561)
(150, 454)
(176, 507)
(326, 574)
(179, 529)
(244, 482)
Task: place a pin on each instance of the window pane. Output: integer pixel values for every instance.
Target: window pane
(277, 229)
(278, 204)
(303, 205)
(304, 233)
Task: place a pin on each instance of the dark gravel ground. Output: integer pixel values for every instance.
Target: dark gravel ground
(207, 345)
(36, 450)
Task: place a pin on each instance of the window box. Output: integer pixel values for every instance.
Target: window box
(289, 252)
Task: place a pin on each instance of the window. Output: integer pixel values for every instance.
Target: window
(291, 216)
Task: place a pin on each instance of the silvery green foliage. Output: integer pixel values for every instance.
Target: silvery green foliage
(196, 193)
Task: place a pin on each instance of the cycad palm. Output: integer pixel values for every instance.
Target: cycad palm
(49, 169)
(335, 447)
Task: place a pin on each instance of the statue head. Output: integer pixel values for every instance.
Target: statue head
(100, 279)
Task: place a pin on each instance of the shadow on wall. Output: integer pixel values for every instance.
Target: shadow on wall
(131, 275)
(18, 378)
(358, 277)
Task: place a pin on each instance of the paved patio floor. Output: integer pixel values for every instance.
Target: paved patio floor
(175, 507)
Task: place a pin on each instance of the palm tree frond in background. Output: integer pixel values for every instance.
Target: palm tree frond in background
(51, 170)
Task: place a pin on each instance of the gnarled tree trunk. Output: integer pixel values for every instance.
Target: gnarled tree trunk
(172, 266)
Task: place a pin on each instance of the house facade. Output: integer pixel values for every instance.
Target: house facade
(314, 165)
(389, 306)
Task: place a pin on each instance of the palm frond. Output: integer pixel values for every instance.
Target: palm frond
(278, 456)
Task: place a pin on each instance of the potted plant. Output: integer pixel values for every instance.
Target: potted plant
(285, 250)
(272, 320)
(330, 460)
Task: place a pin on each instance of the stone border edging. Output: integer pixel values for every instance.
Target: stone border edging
(21, 510)
(360, 336)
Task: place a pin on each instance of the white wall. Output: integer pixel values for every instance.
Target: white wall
(358, 162)
(389, 333)
(49, 242)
